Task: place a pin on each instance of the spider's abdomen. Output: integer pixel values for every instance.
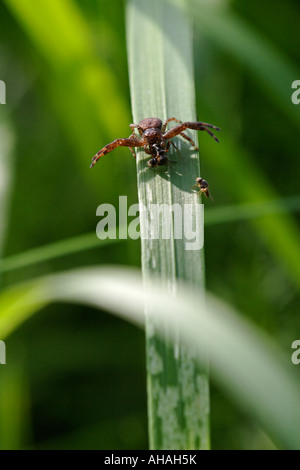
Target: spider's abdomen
(150, 123)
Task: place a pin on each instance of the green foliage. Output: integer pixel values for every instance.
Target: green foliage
(81, 374)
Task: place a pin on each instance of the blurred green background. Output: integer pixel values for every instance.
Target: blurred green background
(75, 377)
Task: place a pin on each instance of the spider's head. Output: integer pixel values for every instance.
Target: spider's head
(152, 136)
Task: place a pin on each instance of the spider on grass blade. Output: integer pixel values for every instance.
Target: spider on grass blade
(155, 139)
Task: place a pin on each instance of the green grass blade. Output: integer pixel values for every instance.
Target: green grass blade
(213, 215)
(55, 250)
(77, 59)
(80, 86)
(243, 360)
(161, 82)
(237, 212)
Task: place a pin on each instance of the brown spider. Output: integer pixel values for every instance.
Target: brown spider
(202, 185)
(153, 137)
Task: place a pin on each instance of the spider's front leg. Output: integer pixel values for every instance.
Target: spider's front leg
(197, 126)
(131, 142)
(163, 129)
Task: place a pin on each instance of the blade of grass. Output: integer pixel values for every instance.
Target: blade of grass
(76, 59)
(237, 212)
(214, 215)
(243, 360)
(161, 83)
(56, 250)
(80, 85)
